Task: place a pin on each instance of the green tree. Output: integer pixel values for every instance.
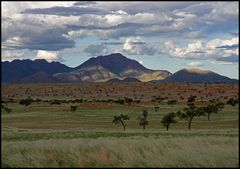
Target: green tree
(172, 102)
(232, 101)
(25, 102)
(73, 108)
(120, 119)
(143, 119)
(213, 107)
(156, 108)
(128, 101)
(191, 111)
(168, 119)
(8, 110)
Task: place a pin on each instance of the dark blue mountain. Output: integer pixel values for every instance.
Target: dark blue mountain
(16, 70)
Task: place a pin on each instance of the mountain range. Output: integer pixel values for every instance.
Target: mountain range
(109, 68)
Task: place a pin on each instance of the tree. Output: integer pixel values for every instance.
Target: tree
(190, 101)
(190, 112)
(156, 108)
(128, 100)
(25, 102)
(8, 110)
(172, 102)
(214, 107)
(143, 119)
(232, 101)
(73, 108)
(168, 119)
(120, 119)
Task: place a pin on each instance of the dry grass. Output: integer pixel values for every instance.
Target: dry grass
(135, 151)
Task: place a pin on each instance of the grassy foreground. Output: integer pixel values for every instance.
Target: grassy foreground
(201, 148)
(44, 135)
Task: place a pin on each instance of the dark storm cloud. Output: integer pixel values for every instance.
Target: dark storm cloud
(84, 3)
(129, 26)
(233, 58)
(235, 46)
(198, 52)
(112, 43)
(65, 11)
(50, 39)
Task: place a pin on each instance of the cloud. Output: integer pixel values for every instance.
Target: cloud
(20, 35)
(141, 62)
(55, 26)
(192, 50)
(85, 3)
(96, 50)
(195, 63)
(221, 63)
(232, 58)
(136, 46)
(11, 55)
(64, 11)
(48, 55)
(234, 46)
(215, 49)
(112, 43)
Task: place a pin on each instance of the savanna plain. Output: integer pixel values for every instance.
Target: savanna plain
(71, 125)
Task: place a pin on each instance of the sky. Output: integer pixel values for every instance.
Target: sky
(159, 35)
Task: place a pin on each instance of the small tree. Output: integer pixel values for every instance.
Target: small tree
(143, 119)
(8, 110)
(156, 108)
(172, 102)
(25, 102)
(214, 107)
(120, 119)
(128, 101)
(190, 112)
(232, 102)
(168, 119)
(73, 108)
(191, 101)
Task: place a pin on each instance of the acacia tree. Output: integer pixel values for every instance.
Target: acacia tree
(128, 101)
(214, 107)
(190, 112)
(73, 108)
(168, 119)
(143, 119)
(7, 109)
(120, 119)
(232, 101)
(172, 102)
(25, 102)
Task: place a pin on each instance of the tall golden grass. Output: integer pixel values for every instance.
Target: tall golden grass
(135, 151)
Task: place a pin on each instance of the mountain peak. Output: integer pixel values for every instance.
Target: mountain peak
(116, 63)
(198, 76)
(195, 70)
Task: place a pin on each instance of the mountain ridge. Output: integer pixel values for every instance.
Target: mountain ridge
(100, 69)
(197, 76)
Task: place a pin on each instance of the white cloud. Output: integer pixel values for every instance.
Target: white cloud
(48, 55)
(191, 50)
(136, 46)
(218, 49)
(195, 63)
(11, 55)
(221, 63)
(141, 62)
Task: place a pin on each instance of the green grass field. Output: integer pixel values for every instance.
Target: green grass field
(44, 135)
